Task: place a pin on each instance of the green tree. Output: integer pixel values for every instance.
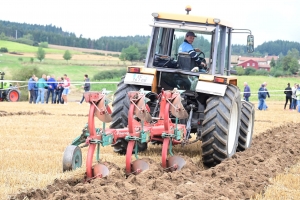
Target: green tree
(131, 53)
(3, 36)
(272, 63)
(240, 71)
(289, 63)
(40, 54)
(67, 55)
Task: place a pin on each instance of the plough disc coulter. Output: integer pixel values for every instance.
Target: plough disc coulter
(142, 128)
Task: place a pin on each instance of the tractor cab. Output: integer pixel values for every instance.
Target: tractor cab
(212, 38)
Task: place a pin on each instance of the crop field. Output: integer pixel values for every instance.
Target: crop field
(35, 136)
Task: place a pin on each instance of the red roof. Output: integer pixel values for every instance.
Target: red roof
(270, 57)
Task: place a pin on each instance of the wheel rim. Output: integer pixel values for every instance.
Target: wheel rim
(249, 132)
(232, 134)
(77, 159)
(13, 96)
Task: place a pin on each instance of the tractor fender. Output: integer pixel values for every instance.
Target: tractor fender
(211, 88)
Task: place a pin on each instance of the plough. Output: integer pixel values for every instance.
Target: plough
(142, 127)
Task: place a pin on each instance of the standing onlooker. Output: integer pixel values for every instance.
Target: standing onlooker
(36, 91)
(294, 97)
(288, 95)
(298, 97)
(41, 84)
(262, 96)
(66, 90)
(86, 86)
(31, 84)
(267, 94)
(247, 91)
(58, 91)
(51, 81)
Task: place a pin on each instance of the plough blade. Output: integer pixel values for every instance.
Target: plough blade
(142, 113)
(177, 108)
(175, 163)
(139, 166)
(100, 170)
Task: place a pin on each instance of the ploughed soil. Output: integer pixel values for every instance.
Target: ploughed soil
(240, 177)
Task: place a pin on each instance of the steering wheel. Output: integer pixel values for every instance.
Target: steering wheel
(201, 55)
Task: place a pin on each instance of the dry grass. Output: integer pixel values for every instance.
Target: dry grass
(32, 145)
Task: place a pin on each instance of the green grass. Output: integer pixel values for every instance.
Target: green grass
(274, 84)
(23, 48)
(76, 69)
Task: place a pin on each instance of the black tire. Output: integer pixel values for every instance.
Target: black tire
(247, 124)
(119, 115)
(12, 95)
(72, 158)
(221, 126)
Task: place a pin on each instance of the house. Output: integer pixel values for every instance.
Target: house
(256, 62)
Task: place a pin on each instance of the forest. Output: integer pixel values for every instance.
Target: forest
(33, 34)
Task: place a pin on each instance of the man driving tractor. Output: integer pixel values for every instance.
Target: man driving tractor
(187, 47)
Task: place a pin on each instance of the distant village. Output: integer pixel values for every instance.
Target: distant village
(258, 63)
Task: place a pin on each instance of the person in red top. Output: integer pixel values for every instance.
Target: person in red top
(66, 90)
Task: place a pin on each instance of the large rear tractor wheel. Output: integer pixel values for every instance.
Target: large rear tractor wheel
(221, 126)
(72, 158)
(247, 123)
(12, 95)
(120, 115)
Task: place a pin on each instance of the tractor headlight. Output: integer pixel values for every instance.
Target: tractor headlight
(155, 14)
(217, 20)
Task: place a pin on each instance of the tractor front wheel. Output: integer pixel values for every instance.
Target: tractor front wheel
(221, 126)
(119, 115)
(12, 95)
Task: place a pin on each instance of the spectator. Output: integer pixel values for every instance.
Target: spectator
(41, 84)
(36, 88)
(298, 97)
(46, 87)
(294, 97)
(58, 91)
(51, 81)
(288, 96)
(247, 92)
(267, 94)
(86, 86)
(66, 90)
(262, 96)
(31, 84)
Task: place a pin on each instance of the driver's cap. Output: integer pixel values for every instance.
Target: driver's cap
(190, 33)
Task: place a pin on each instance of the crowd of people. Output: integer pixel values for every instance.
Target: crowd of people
(57, 89)
(292, 95)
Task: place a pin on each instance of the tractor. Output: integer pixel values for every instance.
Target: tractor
(7, 91)
(166, 101)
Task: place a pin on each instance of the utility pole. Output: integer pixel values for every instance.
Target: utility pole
(16, 34)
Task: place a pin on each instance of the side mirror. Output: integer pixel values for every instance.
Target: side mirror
(250, 43)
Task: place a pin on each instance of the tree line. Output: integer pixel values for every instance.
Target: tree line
(33, 34)
(267, 48)
(55, 35)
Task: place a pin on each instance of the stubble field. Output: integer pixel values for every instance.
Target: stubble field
(34, 138)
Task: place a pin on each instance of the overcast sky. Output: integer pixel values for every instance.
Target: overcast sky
(268, 19)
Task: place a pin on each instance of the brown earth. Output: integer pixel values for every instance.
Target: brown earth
(240, 177)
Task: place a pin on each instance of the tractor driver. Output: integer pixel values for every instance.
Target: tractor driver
(187, 47)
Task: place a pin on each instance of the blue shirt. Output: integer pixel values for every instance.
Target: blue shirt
(31, 84)
(53, 83)
(188, 48)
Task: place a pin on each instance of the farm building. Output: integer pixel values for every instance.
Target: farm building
(256, 63)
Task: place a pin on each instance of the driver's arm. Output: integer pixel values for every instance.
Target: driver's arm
(198, 60)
